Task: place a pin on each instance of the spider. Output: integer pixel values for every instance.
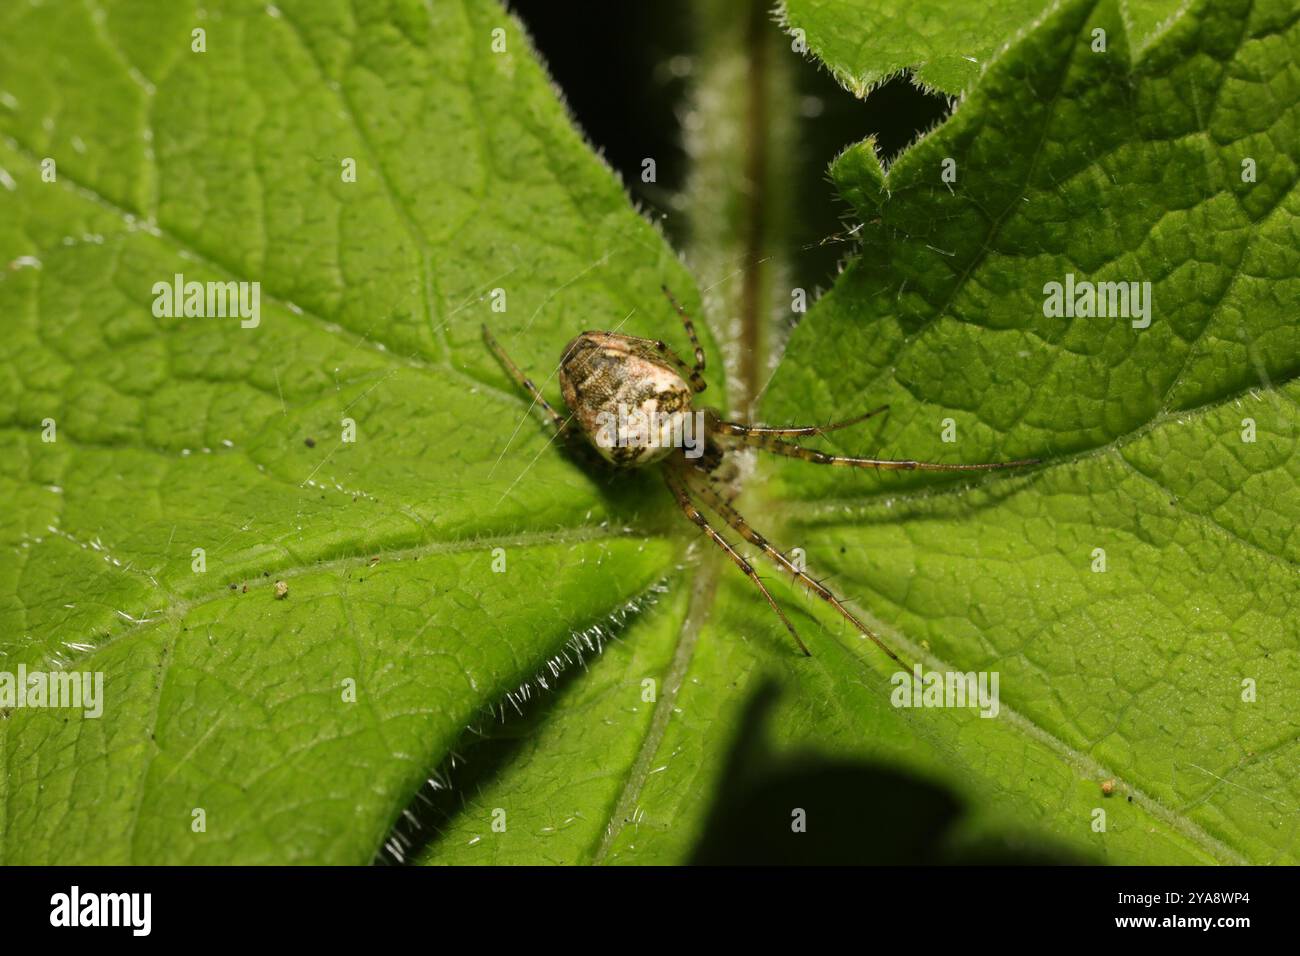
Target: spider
(617, 387)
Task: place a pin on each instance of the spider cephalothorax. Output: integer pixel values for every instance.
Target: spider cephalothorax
(632, 399)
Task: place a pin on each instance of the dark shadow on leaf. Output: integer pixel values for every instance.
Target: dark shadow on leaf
(805, 809)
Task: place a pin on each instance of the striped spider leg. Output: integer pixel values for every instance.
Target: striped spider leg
(689, 325)
(561, 424)
(677, 485)
(704, 487)
(767, 440)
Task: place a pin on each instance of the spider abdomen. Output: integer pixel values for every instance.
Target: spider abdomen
(633, 406)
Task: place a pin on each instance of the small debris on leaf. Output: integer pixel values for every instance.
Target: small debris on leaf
(281, 590)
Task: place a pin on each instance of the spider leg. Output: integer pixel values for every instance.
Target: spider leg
(559, 422)
(678, 488)
(738, 522)
(741, 429)
(697, 380)
(690, 330)
(790, 450)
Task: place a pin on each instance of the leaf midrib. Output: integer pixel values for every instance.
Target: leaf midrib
(698, 610)
(834, 506)
(179, 608)
(1084, 764)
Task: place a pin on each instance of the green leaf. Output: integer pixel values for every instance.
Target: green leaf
(944, 46)
(1113, 168)
(175, 434)
(186, 433)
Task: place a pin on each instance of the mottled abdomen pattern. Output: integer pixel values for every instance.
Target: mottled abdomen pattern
(608, 380)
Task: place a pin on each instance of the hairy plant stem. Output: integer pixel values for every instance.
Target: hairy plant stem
(739, 135)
